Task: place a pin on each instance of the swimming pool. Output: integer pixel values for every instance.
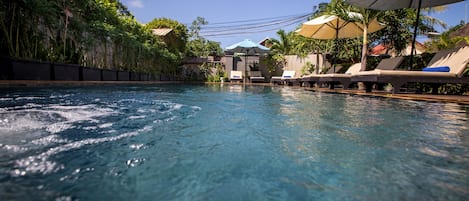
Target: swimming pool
(197, 142)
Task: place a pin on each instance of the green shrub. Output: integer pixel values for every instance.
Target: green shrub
(308, 68)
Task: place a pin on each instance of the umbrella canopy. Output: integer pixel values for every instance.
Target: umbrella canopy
(391, 5)
(248, 47)
(332, 27)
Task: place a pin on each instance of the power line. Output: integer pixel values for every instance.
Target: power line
(253, 26)
(254, 20)
(263, 25)
(232, 33)
(267, 23)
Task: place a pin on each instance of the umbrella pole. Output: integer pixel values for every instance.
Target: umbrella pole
(245, 65)
(412, 49)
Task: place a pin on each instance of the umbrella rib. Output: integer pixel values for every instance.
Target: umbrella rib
(373, 3)
(317, 30)
(361, 28)
(332, 27)
(342, 25)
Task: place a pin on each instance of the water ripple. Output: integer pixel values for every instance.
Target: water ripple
(41, 163)
(228, 143)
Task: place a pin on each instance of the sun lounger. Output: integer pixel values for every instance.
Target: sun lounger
(288, 74)
(334, 70)
(310, 80)
(256, 76)
(346, 78)
(455, 59)
(335, 77)
(236, 76)
(292, 81)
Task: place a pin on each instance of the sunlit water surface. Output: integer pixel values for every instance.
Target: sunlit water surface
(189, 142)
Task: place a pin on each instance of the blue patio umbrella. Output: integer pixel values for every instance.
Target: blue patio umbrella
(248, 48)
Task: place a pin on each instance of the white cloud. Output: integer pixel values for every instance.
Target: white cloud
(136, 3)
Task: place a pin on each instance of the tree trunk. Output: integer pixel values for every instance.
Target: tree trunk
(364, 47)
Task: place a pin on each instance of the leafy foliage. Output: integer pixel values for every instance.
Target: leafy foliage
(95, 33)
(218, 75)
(447, 41)
(180, 32)
(308, 68)
(199, 46)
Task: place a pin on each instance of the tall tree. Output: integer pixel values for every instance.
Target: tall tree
(284, 45)
(196, 26)
(367, 17)
(455, 36)
(198, 45)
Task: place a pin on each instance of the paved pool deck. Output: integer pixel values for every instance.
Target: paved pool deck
(459, 99)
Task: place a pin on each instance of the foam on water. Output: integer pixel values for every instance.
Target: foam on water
(53, 119)
(41, 164)
(105, 125)
(136, 146)
(56, 118)
(48, 140)
(30, 98)
(137, 117)
(18, 122)
(60, 96)
(13, 148)
(6, 99)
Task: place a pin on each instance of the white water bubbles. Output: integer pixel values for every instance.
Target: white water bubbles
(73, 114)
(31, 128)
(41, 134)
(157, 111)
(20, 120)
(41, 163)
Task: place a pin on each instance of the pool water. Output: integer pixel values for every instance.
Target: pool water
(198, 142)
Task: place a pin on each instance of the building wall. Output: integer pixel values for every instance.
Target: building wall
(246, 64)
(297, 63)
(293, 62)
(241, 63)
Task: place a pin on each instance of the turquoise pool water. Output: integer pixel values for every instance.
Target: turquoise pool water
(190, 142)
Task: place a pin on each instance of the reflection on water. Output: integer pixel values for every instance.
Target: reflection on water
(228, 142)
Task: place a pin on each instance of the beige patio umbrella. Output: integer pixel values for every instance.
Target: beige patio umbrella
(391, 5)
(333, 27)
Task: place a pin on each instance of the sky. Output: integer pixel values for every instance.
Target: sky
(264, 16)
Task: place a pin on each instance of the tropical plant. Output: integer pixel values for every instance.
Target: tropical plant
(94, 33)
(196, 26)
(219, 75)
(199, 46)
(284, 45)
(446, 41)
(366, 17)
(289, 44)
(308, 68)
(180, 31)
(203, 48)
